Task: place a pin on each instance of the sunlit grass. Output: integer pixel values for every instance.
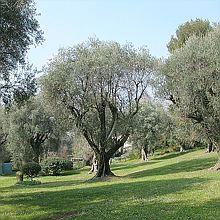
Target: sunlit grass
(174, 186)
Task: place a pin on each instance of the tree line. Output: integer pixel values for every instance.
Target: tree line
(100, 90)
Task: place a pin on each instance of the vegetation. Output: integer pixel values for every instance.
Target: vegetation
(31, 169)
(29, 127)
(198, 28)
(172, 186)
(55, 165)
(192, 80)
(19, 30)
(93, 99)
(152, 128)
(100, 84)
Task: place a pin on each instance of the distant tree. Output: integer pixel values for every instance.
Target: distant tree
(29, 127)
(191, 77)
(184, 132)
(152, 127)
(100, 84)
(197, 27)
(81, 148)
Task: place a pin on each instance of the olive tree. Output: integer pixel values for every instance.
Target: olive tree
(100, 84)
(19, 29)
(152, 127)
(197, 27)
(185, 133)
(29, 126)
(190, 77)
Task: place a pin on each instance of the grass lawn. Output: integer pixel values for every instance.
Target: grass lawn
(173, 186)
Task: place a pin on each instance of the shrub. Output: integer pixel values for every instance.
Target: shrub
(67, 164)
(31, 169)
(55, 165)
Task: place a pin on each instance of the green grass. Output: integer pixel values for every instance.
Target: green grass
(173, 186)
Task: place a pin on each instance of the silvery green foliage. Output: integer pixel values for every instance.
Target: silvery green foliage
(29, 126)
(197, 27)
(152, 126)
(100, 84)
(191, 77)
(19, 29)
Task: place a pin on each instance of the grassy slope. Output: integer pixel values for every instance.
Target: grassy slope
(175, 186)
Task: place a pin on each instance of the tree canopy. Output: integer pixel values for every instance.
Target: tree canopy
(191, 28)
(18, 30)
(151, 129)
(191, 78)
(29, 126)
(100, 84)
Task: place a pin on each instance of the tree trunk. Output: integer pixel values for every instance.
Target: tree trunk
(144, 154)
(94, 167)
(103, 166)
(36, 158)
(211, 147)
(217, 165)
(153, 151)
(182, 148)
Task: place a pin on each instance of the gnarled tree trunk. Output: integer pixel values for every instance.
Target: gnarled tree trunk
(94, 167)
(210, 147)
(144, 154)
(104, 166)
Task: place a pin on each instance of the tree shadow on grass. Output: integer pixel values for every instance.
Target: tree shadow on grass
(94, 202)
(171, 209)
(171, 155)
(43, 184)
(70, 172)
(184, 166)
(122, 166)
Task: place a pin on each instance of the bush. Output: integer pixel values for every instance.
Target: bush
(67, 164)
(31, 169)
(55, 165)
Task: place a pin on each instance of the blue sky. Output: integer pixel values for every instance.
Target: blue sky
(142, 22)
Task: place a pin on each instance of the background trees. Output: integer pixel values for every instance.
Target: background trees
(191, 28)
(29, 126)
(100, 84)
(151, 128)
(191, 76)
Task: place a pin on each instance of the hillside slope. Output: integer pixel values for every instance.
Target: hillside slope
(174, 186)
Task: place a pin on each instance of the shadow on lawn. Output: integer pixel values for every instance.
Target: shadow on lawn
(117, 200)
(97, 201)
(122, 166)
(171, 155)
(183, 166)
(171, 209)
